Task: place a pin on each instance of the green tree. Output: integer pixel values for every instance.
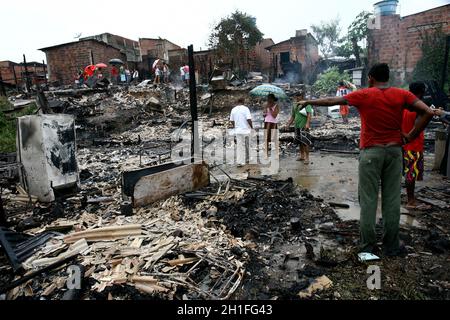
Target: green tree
(355, 42)
(327, 36)
(430, 66)
(328, 81)
(8, 124)
(234, 36)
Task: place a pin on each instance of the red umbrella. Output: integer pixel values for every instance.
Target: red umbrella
(101, 65)
(89, 70)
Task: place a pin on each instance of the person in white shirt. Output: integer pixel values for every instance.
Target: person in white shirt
(241, 121)
(135, 76)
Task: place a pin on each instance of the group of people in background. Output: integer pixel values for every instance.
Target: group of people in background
(122, 75)
(93, 76)
(392, 145)
(162, 73)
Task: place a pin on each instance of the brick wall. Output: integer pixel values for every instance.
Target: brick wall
(7, 69)
(398, 41)
(64, 61)
(263, 57)
(157, 48)
(301, 49)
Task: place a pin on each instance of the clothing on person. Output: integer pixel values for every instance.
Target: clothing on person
(409, 119)
(413, 159)
(240, 115)
(242, 148)
(445, 117)
(342, 92)
(301, 115)
(303, 137)
(166, 70)
(381, 113)
(375, 164)
(269, 116)
(158, 72)
(413, 165)
(344, 110)
(127, 75)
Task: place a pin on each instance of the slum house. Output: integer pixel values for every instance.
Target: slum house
(177, 58)
(16, 74)
(397, 40)
(129, 47)
(257, 59)
(65, 60)
(294, 60)
(153, 49)
(262, 57)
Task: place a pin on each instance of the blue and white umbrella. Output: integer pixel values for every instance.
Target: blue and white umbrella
(266, 89)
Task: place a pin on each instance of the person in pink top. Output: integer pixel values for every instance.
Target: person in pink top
(271, 111)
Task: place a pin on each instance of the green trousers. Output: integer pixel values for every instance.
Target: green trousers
(380, 164)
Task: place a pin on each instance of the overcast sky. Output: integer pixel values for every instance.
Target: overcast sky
(28, 25)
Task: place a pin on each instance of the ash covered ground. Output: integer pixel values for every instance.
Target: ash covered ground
(245, 236)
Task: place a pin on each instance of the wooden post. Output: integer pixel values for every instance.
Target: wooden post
(27, 81)
(45, 71)
(195, 143)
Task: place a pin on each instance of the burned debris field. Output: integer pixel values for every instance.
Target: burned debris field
(259, 154)
(243, 236)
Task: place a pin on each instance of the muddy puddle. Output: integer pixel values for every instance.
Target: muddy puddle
(334, 178)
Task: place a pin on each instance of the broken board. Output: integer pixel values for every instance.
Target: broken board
(161, 184)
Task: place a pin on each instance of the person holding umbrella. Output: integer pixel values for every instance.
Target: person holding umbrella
(271, 112)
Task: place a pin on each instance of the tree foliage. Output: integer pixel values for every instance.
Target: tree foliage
(328, 81)
(8, 124)
(235, 34)
(327, 36)
(430, 66)
(355, 41)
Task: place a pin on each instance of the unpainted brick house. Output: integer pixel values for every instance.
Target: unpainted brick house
(397, 40)
(15, 74)
(294, 60)
(65, 60)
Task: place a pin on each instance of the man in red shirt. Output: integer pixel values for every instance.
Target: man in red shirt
(413, 160)
(381, 109)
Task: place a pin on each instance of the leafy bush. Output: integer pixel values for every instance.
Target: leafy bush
(8, 124)
(328, 82)
(430, 66)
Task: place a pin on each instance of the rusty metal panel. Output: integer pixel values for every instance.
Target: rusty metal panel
(163, 184)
